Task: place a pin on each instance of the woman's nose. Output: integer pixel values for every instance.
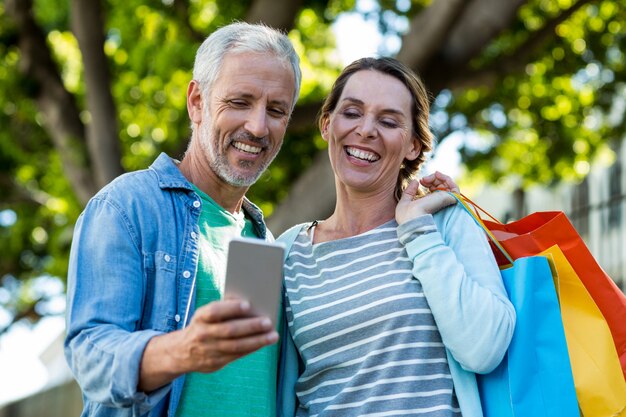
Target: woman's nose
(367, 127)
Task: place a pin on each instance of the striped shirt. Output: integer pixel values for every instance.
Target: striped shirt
(364, 330)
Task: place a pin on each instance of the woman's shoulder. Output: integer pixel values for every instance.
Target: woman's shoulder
(453, 213)
(455, 220)
(290, 235)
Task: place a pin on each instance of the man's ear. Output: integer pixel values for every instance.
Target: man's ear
(414, 149)
(194, 102)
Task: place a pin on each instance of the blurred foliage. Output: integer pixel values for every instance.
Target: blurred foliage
(568, 94)
(151, 52)
(567, 108)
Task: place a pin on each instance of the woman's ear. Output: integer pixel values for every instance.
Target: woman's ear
(415, 149)
(324, 126)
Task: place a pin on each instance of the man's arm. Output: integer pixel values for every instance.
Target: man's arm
(219, 333)
(106, 293)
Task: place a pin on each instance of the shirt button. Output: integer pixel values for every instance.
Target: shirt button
(186, 274)
(177, 318)
(193, 235)
(196, 204)
(167, 258)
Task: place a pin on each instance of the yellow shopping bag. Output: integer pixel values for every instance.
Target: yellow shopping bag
(598, 377)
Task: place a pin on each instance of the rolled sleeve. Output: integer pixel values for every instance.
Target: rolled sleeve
(106, 365)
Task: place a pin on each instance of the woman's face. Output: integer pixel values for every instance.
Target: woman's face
(370, 132)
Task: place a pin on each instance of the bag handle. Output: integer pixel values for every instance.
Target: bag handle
(472, 209)
(478, 209)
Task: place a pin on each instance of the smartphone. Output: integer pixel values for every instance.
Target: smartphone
(254, 271)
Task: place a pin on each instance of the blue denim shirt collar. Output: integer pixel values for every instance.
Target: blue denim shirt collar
(169, 176)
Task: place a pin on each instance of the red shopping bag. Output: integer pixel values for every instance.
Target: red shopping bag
(539, 231)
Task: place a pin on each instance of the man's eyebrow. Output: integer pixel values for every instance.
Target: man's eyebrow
(281, 103)
(249, 96)
(361, 102)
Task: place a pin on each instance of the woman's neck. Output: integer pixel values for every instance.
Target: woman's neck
(356, 214)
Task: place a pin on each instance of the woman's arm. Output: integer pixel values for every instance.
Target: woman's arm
(463, 286)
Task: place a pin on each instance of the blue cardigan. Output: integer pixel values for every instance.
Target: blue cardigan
(455, 263)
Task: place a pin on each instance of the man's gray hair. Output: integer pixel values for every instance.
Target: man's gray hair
(243, 37)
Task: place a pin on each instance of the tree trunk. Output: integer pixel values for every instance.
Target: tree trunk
(480, 22)
(516, 61)
(279, 14)
(312, 197)
(428, 32)
(57, 105)
(102, 131)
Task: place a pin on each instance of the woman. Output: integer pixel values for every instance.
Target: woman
(393, 302)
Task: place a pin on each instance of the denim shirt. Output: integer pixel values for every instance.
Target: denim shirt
(131, 277)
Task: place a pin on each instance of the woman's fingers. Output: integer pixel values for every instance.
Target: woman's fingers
(441, 181)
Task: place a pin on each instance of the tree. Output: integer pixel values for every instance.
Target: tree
(93, 89)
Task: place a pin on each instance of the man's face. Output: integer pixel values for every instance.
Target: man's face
(245, 116)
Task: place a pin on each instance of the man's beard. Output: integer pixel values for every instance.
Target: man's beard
(218, 159)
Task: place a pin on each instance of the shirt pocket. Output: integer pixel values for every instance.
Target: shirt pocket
(161, 291)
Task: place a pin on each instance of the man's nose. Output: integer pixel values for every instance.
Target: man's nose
(256, 122)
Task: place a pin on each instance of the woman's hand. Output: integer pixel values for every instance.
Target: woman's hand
(439, 181)
(409, 207)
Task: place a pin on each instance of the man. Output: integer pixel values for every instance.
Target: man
(147, 332)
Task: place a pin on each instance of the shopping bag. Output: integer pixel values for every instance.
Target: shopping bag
(534, 378)
(539, 231)
(598, 378)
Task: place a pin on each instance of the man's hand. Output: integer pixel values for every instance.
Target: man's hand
(410, 206)
(219, 333)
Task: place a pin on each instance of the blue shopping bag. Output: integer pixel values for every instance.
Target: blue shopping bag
(535, 377)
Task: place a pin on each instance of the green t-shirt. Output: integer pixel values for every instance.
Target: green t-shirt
(247, 386)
